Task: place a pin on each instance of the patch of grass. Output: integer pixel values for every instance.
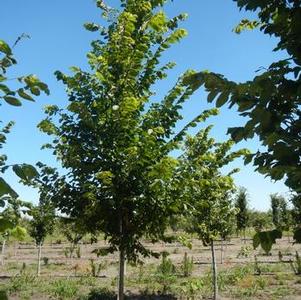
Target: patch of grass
(21, 282)
(232, 276)
(280, 292)
(64, 289)
(274, 268)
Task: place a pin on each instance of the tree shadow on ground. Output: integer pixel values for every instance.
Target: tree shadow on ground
(150, 297)
(108, 295)
(3, 295)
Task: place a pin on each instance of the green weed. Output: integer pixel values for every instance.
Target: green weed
(187, 265)
(64, 289)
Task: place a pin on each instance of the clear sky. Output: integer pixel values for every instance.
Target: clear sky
(58, 41)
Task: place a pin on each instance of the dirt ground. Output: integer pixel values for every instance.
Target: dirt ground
(234, 253)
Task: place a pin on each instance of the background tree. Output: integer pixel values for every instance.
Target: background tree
(286, 217)
(116, 136)
(260, 220)
(73, 231)
(41, 224)
(242, 216)
(207, 191)
(10, 221)
(276, 210)
(296, 217)
(280, 213)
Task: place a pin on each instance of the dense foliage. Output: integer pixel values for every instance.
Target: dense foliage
(116, 137)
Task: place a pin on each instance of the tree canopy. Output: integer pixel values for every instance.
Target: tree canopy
(241, 204)
(271, 101)
(116, 136)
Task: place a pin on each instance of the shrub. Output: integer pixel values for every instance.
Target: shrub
(46, 261)
(165, 273)
(245, 252)
(96, 268)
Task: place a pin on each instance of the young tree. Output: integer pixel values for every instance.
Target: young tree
(296, 217)
(10, 221)
(276, 213)
(242, 216)
(280, 213)
(206, 191)
(73, 231)
(41, 224)
(116, 136)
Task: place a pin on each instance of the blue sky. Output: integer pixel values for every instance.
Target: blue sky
(58, 41)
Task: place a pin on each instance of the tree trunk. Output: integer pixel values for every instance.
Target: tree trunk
(39, 259)
(121, 275)
(2, 252)
(214, 273)
(226, 247)
(222, 250)
(14, 248)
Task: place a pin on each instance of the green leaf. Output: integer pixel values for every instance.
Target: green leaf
(103, 251)
(266, 239)
(2, 203)
(35, 90)
(4, 48)
(91, 27)
(19, 233)
(222, 99)
(237, 133)
(256, 240)
(5, 224)
(4, 89)
(297, 235)
(158, 22)
(12, 100)
(5, 189)
(25, 172)
(24, 95)
(211, 96)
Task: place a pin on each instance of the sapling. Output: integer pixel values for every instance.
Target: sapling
(207, 191)
(115, 139)
(10, 222)
(242, 216)
(41, 224)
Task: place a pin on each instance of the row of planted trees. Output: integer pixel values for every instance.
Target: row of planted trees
(116, 141)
